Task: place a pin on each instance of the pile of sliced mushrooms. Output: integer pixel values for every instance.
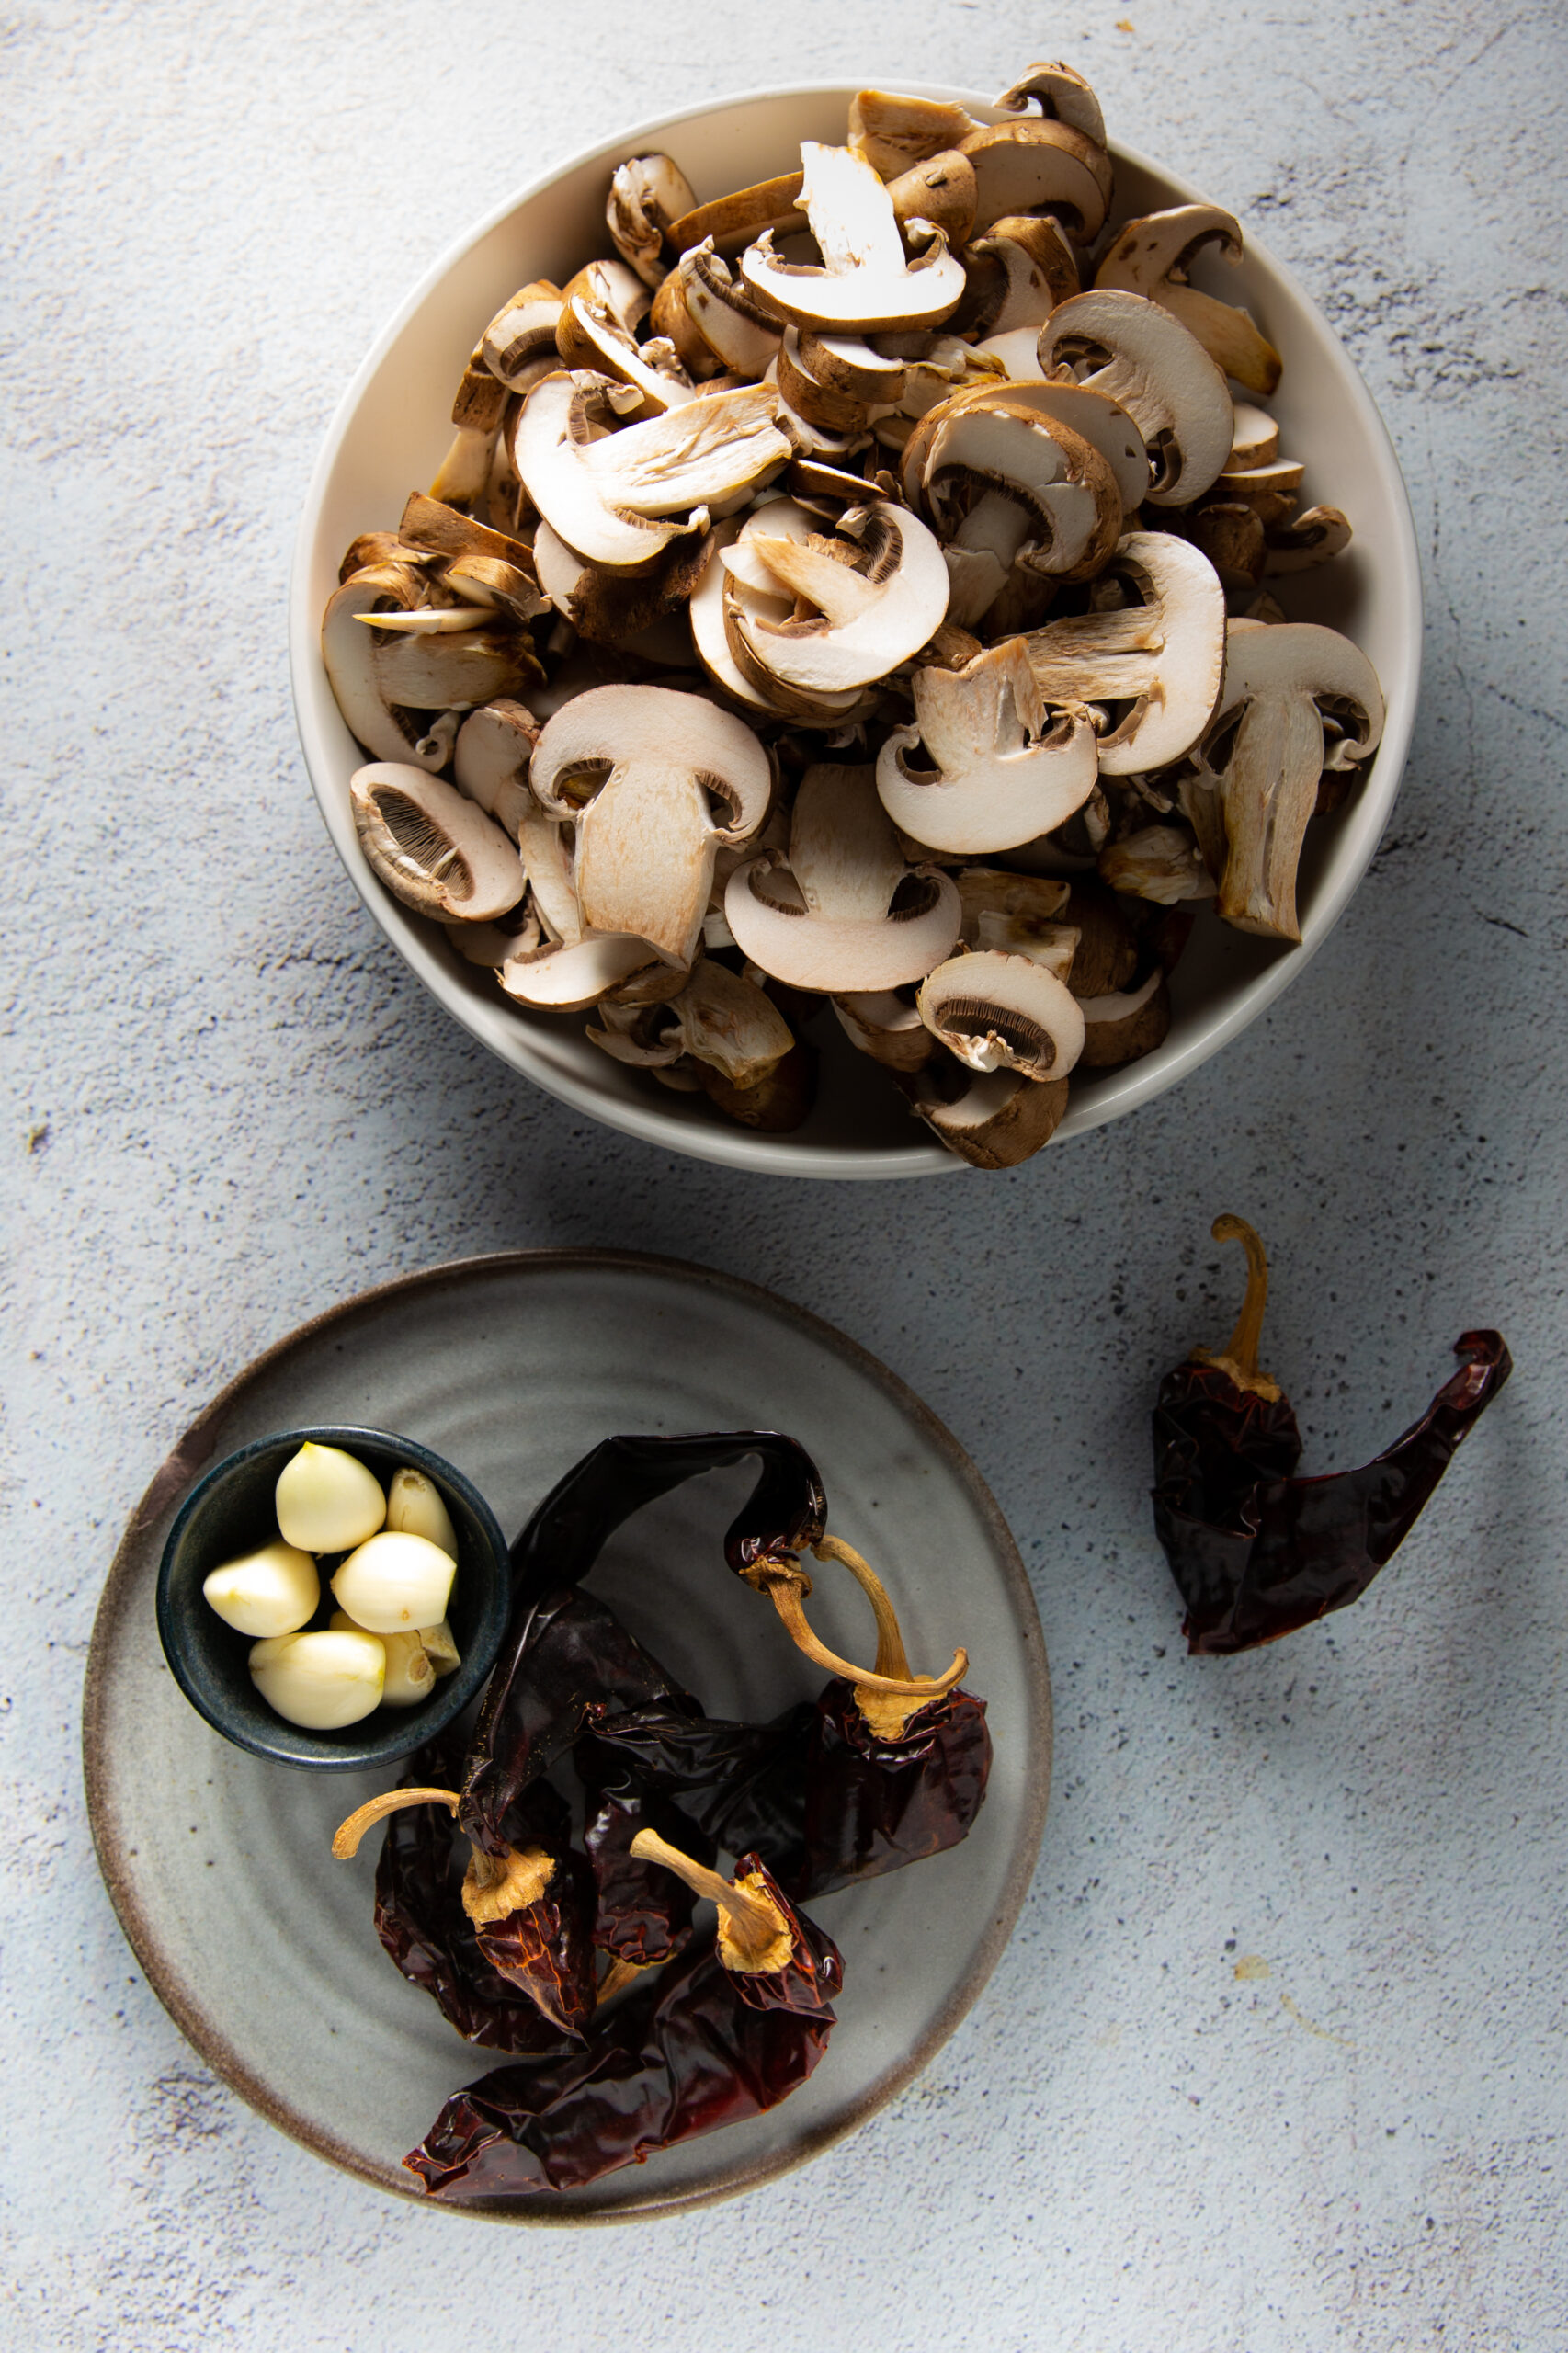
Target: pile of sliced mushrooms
(857, 590)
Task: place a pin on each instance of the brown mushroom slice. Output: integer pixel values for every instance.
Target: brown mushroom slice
(545, 844)
(721, 599)
(591, 336)
(892, 132)
(523, 332)
(820, 404)
(638, 769)
(1000, 773)
(730, 222)
(615, 499)
(1127, 347)
(999, 1012)
(1254, 437)
(1270, 490)
(1062, 95)
(1264, 755)
(865, 280)
(495, 746)
(940, 191)
(718, 1019)
(612, 608)
(730, 321)
(1031, 165)
(1095, 415)
(1313, 538)
(996, 1120)
(1019, 915)
(400, 695)
(887, 1026)
(1125, 1025)
(846, 363)
(1159, 862)
(647, 195)
(1003, 482)
(491, 945)
(871, 613)
(1165, 656)
(574, 974)
(843, 913)
(1153, 256)
(1015, 276)
(433, 848)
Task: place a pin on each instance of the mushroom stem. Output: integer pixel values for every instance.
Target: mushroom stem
(1239, 1356)
(787, 1589)
(751, 1926)
(346, 1837)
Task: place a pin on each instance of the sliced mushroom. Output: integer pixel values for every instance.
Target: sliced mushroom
(494, 748)
(1270, 489)
(401, 696)
(1160, 862)
(940, 191)
(1314, 536)
(843, 913)
(1000, 1012)
(1154, 255)
(730, 222)
(995, 1121)
(886, 1024)
(647, 194)
(1127, 347)
(1006, 485)
(611, 608)
(522, 332)
(893, 132)
(1254, 439)
(491, 945)
(1265, 751)
(718, 1017)
(433, 848)
(845, 363)
(1062, 95)
(736, 327)
(865, 280)
(441, 530)
(590, 336)
(616, 499)
(999, 772)
(1031, 165)
(1166, 656)
(821, 405)
(1015, 276)
(720, 600)
(570, 976)
(1019, 915)
(1125, 1025)
(638, 769)
(872, 611)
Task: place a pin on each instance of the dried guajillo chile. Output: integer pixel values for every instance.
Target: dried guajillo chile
(643, 1911)
(1256, 1551)
(732, 2027)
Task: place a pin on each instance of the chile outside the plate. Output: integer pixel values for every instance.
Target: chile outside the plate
(1257, 1551)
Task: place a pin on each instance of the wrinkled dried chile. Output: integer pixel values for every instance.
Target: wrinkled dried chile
(698, 2047)
(546, 1948)
(873, 1802)
(644, 1914)
(1257, 1551)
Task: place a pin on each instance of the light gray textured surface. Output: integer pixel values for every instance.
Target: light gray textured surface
(229, 1107)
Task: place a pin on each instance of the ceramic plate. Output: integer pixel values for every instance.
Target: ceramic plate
(262, 1947)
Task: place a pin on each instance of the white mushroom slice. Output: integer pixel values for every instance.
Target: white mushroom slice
(736, 327)
(1016, 276)
(1100, 421)
(871, 614)
(999, 1012)
(546, 846)
(1166, 656)
(1019, 915)
(1062, 96)
(1254, 437)
(1019, 351)
(726, 1021)
(730, 222)
(1029, 165)
(829, 918)
(443, 621)
(491, 945)
(1271, 489)
(591, 336)
(820, 404)
(1054, 505)
(646, 195)
(844, 363)
(1153, 256)
(1130, 347)
(1122, 1027)
(461, 477)
(522, 332)
(882, 1023)
(572, 976)
(646, 832)
(892, 132)
(940, 192)
(1315, 535)
(997, 1121)
(1265, 752)
(491, 763)
(603, 496)
(382, 694)
(433, 848)
(1160, 862)
(721, 598)
(865, 281)
(443, 531)
(999, 773)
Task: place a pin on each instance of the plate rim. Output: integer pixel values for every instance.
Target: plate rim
(185, 1461)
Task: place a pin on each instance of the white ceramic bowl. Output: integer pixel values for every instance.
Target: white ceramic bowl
(388, 437)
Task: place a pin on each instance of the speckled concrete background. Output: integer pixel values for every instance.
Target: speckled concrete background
(229, 1106)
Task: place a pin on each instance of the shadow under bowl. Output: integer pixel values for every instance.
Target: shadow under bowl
(231, 1510)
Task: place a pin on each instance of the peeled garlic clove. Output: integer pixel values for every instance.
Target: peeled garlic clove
(272, 1591)
(410, 1673)
(395, 1583)
(327, 1500)
(321, 1681)
(440, 1649)
(415, 1508)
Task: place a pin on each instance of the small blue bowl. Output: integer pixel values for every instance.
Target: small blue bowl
(231, 1510)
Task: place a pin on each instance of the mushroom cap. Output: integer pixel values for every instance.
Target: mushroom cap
(1062, 96)
(737, 329)
(881, 1023)
(892, 132)
(1072, 506)
(827, 918)
(646, 195)
(523, 331)
(1015, 276)
(1031, 165)
(1165, 655)
(621, 724)
(494, 748)
(729, 223)
(591, 336)
(570, 977)
(1254, 439)
(865, 280)
(432, 848)
(723, 598)
(1153, 256)
(872, 614)
(1122, 1027)
(351, 654)
(939, 192)
(999, 1012)
(998, 1120)
(1003, 775)
(1162, 376)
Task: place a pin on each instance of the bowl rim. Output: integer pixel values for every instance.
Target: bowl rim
(419, 1724)
(740, 1148)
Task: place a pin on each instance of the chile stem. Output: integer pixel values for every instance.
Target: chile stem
(753, 1934)
(346, 1837)
(1239, 1356)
